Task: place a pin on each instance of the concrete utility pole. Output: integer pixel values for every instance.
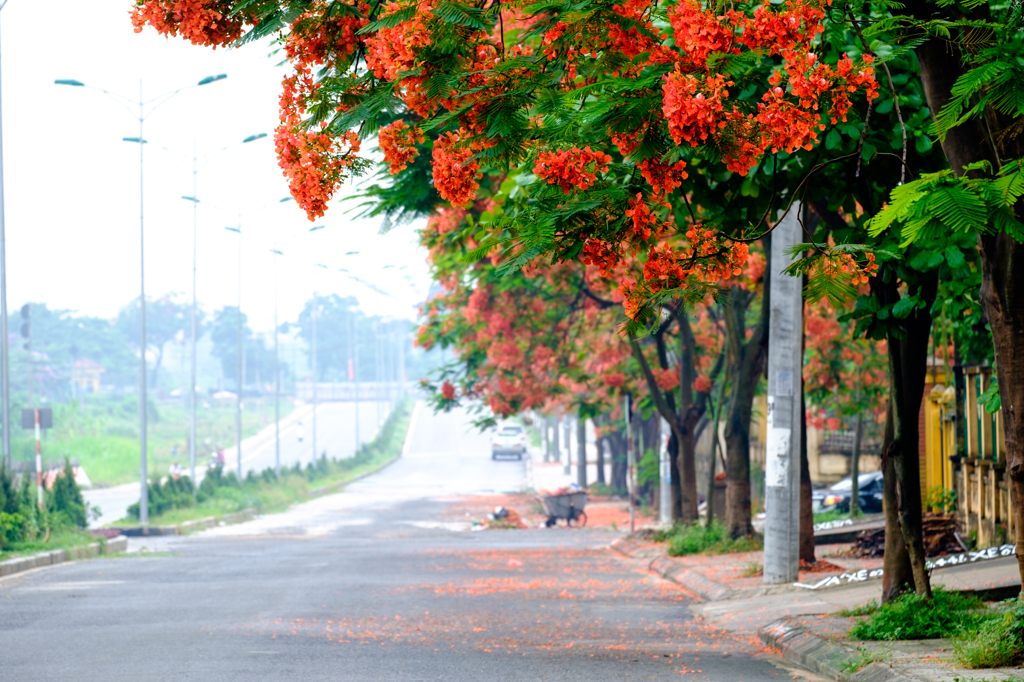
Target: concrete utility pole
(665, 482)
(785, 421)
(581, 451)
(568, 445)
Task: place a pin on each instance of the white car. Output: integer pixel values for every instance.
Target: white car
(509, 440)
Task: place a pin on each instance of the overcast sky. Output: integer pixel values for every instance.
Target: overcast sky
(72, 184)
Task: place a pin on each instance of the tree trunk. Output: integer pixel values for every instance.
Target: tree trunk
(745, 367)
(1002, 293)
(897, 576)
(581, 450)
(806, 492)
(673, 458)
(617, 446)
(600, 460)
(858, 430)
(908, 368)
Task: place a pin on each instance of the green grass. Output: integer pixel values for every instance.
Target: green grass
(912, 617)
(862, 610)
(273, 495)
(684, 539)
(63, 538)
(864, 658)
(834, 515)
(102, 436)
(996, 641)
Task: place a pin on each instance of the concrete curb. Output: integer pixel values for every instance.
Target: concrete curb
(695, 582)
(831, 660)
(59, 556)
(190, 526)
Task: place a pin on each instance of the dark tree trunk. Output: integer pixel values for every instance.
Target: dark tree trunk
(617, 446)
(745, 366)
(897, 577)
(806, 492)
(908, 367)
(600, 459)
(673, 457)
(1002, 258)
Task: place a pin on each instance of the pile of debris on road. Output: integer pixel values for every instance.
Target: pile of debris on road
(504, 518)
(940, 538)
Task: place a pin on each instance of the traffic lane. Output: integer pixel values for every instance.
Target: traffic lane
(335, 435)
(381, 599)
(447, 455)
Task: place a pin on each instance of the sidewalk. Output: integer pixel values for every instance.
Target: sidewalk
(796, 621)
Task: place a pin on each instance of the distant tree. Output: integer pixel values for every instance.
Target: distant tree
(224, 335)
(165, 318)
(59, 338)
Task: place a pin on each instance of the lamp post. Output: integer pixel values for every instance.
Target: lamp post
(241, 350)
(316, 313)
(194, 312)
(5, 383)
(277, 378)
(153, 104)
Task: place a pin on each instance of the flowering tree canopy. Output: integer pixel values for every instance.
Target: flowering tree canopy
(599, 110)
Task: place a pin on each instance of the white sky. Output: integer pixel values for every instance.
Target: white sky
(72, 185)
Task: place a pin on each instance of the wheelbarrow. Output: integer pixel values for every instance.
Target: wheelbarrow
(568, 506)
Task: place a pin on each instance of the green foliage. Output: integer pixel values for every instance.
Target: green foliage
(649, 469)
(863, 659)
(65, 498)
(998, 641)
(684, 539)
(862, 610)
(939, 204)
(941, 500)
(910, 616)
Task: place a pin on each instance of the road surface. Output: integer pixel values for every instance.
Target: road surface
(335, 427)
(371, 584)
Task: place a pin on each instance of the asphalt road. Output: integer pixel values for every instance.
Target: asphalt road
(369, 584)
(335, 430)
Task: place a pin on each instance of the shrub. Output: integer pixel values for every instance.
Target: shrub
(684, 539)
(997, 641)
(910, 616)
(65, 499)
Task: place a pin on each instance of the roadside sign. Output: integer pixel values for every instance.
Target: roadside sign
(28, 418)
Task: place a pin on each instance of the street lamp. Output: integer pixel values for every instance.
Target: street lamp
(241, 350)
(316, 312)
(5, 379)
(194, 313)
(277, 378)
(153, 104)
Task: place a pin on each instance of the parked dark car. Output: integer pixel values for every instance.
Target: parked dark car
(837, 498)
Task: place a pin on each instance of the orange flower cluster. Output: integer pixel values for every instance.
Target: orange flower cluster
(663, 178)
(571, 168)
(455, 175)
(843, 265)
(317, 40)
(699, 33)
(202, 22)
(697, 108)
(313, 162)
(398, 143)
